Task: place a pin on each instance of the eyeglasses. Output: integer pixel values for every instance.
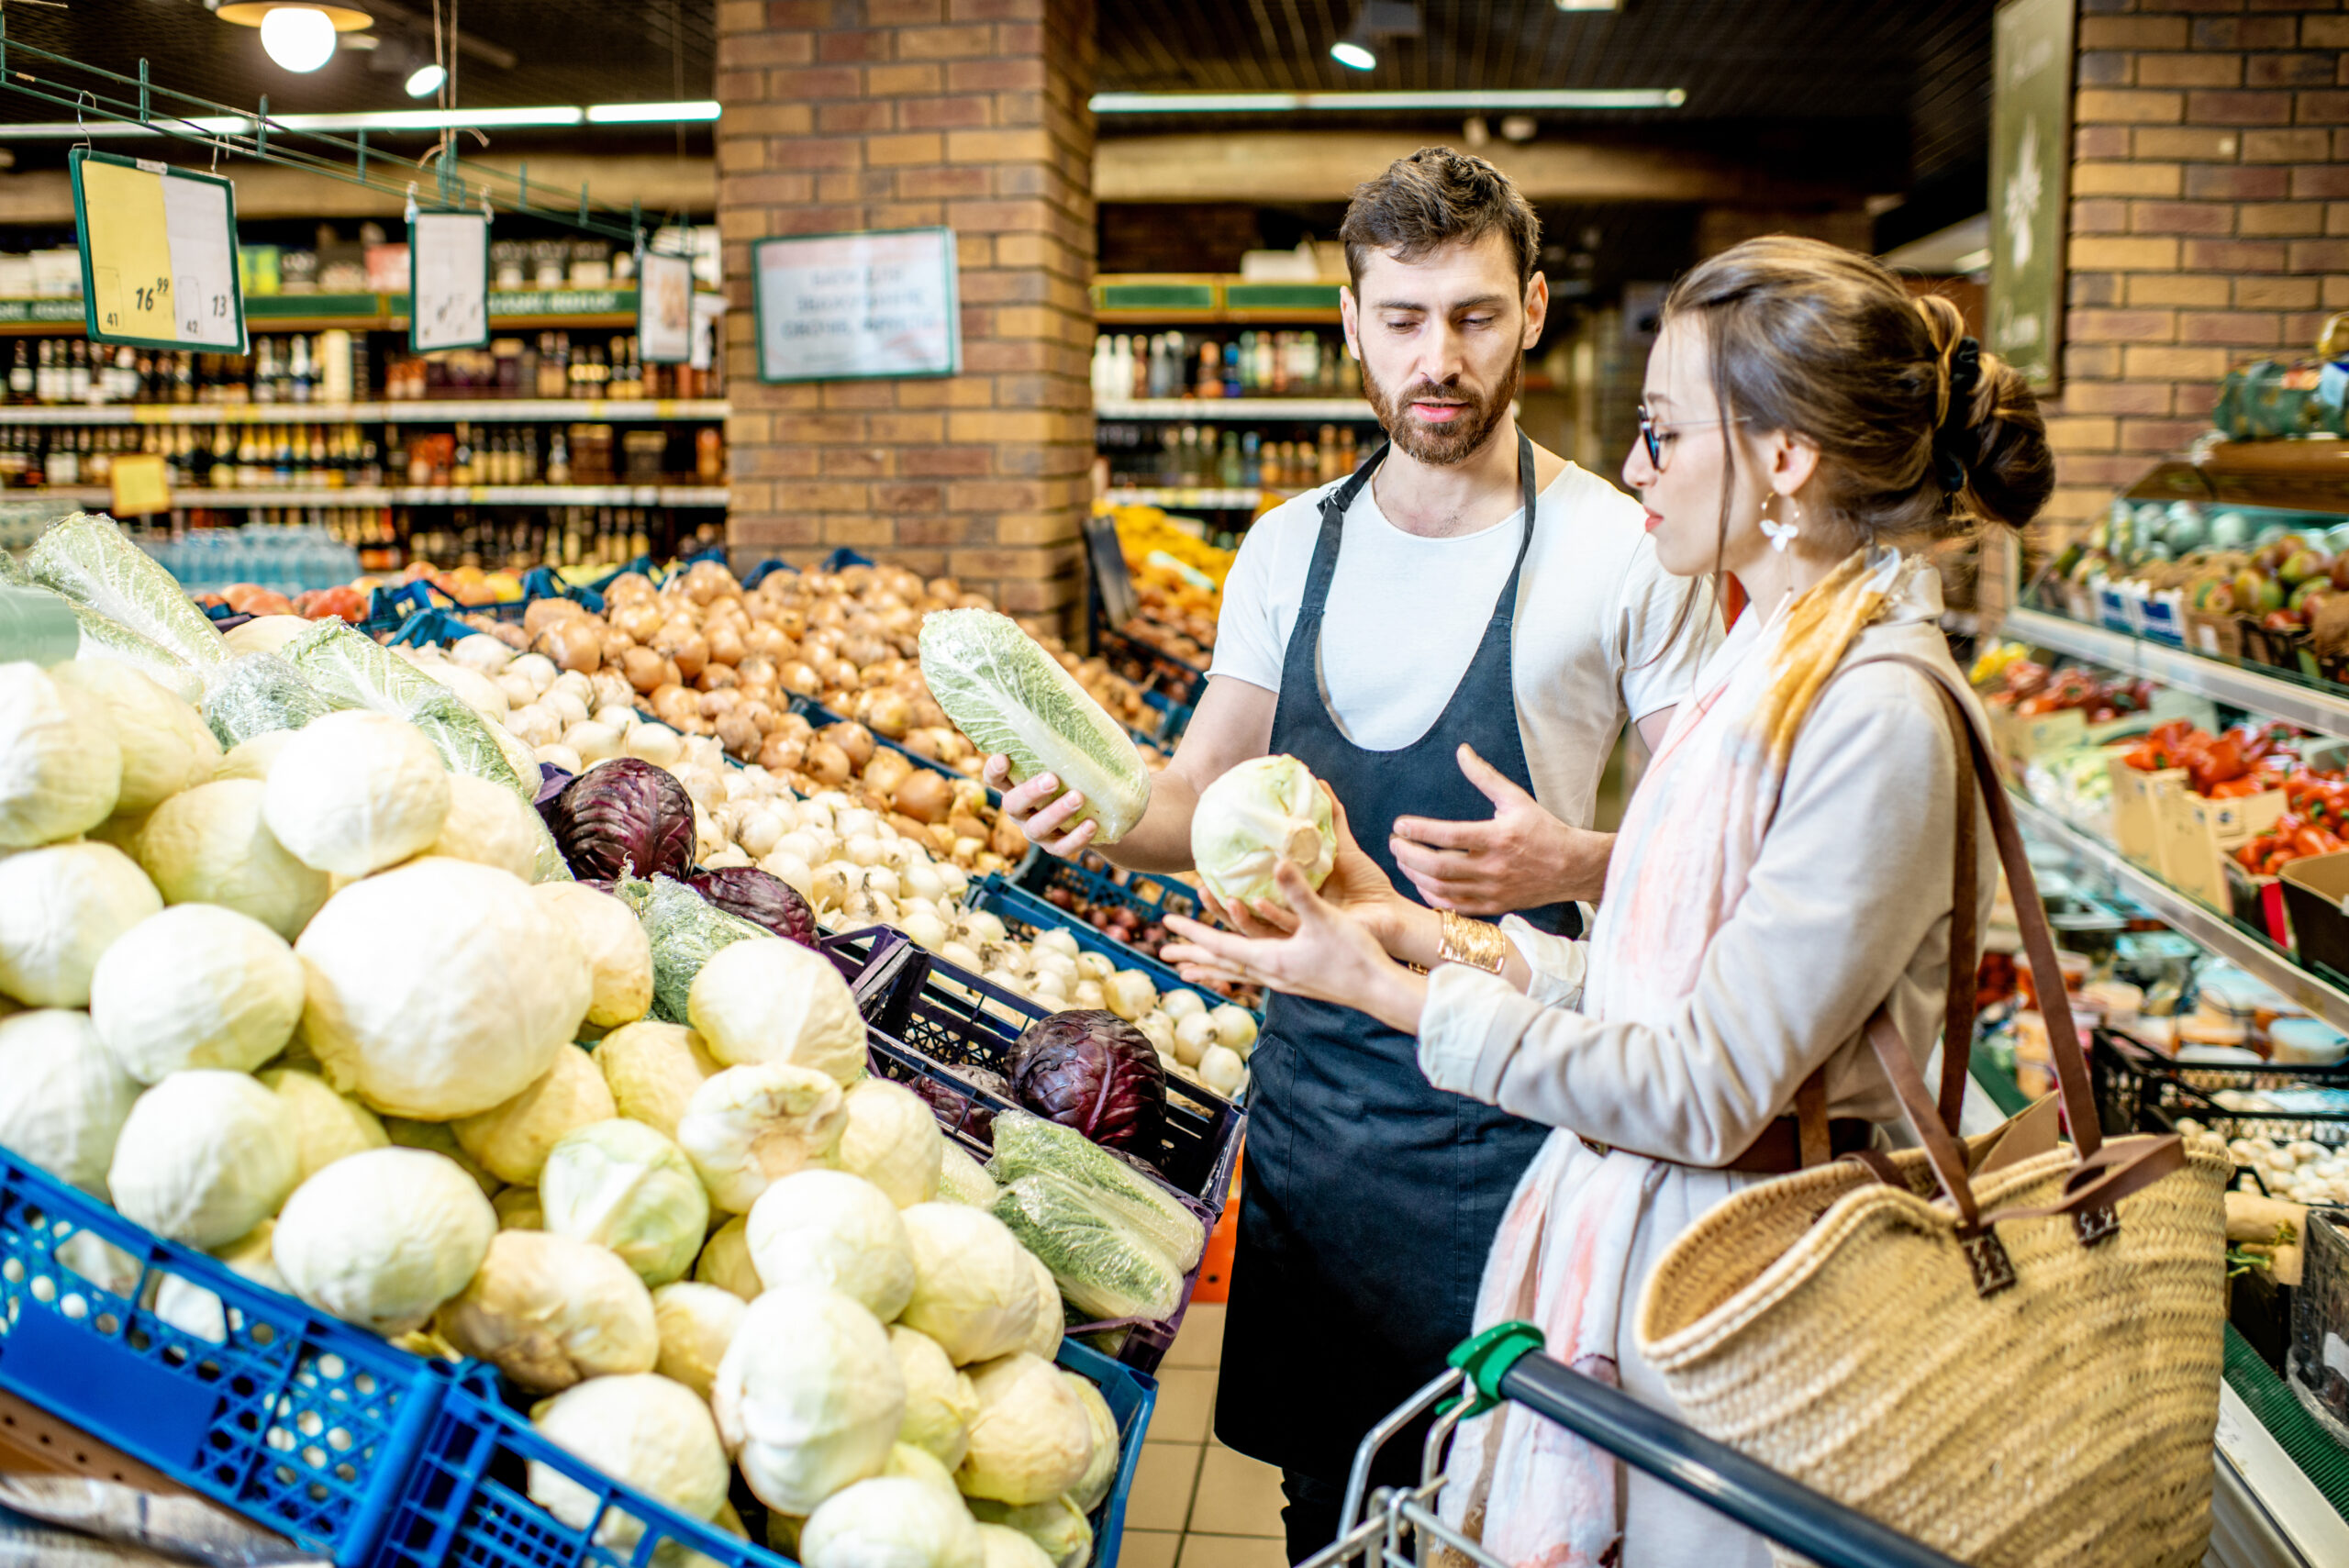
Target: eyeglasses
(1655, 440)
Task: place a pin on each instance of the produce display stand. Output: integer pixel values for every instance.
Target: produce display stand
(1503, 1364)
(928, 1018)
(1023, 911)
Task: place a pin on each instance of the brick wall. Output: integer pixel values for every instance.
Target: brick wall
(2210, 220)
(896, 113)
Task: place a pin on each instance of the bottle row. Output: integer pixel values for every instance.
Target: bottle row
(338, 366)
(1300, 363)
(334, 457)
(298, 548)
(1221, 457)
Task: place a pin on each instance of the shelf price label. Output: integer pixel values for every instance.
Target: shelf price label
(447, 258)
(159, 254)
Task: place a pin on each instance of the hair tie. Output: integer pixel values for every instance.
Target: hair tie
(1965, 376)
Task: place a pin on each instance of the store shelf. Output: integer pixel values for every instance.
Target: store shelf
(2268, 1509)
(423, 411)
(1242, 500)
(435, 496)
(2249, 689)
(509, 309)
(2190, 919)
(1218, 408)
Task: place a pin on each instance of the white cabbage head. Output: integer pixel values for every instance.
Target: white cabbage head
(640, 1428)
(61, 767)
(355, 792)
(195, 985)
(622, 1185)
(892, 1522)
(166, 746)
(440, 989)
(326, 1126)
(1053, 1527)
(211, 845)
(1102, 1474)
(619, 955)
(436, 1138)
(940, 1402)
(809, 1396)
(204, 1157)
(64, 1097)
(1047, 1319)
(836, 1230)
(511, 1140)
(973, 1291)
(697, 1323)
(1031, 1440)
(1007, 1548)
(749, 1127)
(518, 1209)
(724, 1261)
(548, 1312)
(765, 999)
(381, 1239)
(60, 908)
(1011, 698)
(1265, 811)
(490, 825)
(892, 1141)
(651, 1067)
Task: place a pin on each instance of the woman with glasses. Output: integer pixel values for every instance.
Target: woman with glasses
(1784, 870)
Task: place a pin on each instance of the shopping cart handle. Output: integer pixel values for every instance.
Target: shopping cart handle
(1487, 1359)
(1828, 1533)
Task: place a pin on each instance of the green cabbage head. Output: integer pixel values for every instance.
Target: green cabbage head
(1266, 810)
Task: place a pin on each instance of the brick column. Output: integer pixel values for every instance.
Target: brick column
(845, 115)
(2209, 218)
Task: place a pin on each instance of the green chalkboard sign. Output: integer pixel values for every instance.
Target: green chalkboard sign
(2031, 142)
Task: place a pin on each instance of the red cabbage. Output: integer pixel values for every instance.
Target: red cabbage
(1095, 1073)
(958, 1108)
(624, 817)
(760, 897)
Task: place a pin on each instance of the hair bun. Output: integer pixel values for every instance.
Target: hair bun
(2001, 437)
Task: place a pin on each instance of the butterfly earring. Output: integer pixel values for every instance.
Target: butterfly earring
(1781, 535)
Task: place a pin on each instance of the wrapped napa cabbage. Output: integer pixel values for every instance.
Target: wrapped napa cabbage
(892, 1522)
(355, 671)
(640, 1428)
(1011, 698)
(64, 1098)
(749, 1127)
(1106, 1267)
(684, 930)
(382, 1237)
(1031, 1440)
(811, 1395)
(624, 1186)
(1026, 1145)
(973, 1291)
(548, 1312)
(697, 1323)
(1266, 810)
(833, 1230)
(86, 559)
(257, 695)
(104, 637)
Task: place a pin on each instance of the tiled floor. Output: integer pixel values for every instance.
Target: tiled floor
(1195, 1504)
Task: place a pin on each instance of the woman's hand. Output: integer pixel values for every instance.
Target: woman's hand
(1327, 955)
(1355, 885)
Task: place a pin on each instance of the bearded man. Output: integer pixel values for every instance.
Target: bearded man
(1451, 639)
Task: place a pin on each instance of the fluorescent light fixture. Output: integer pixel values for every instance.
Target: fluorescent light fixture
(1353, 56)
(1341, 103)
(652, 113)
(1973, 260)
(426, 81)
(297, 38)
(1589, 5)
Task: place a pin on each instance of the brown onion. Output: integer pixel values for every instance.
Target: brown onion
(923, 796)
(853, 740)
(781, 754)
(829, 764)
(802, 679)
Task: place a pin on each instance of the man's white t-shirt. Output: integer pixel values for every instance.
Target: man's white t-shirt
(1591, 645)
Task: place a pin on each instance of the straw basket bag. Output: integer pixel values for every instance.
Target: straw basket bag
(2012, 1356)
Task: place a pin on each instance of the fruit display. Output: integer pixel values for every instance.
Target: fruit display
(290, 975)
(2244, 760)
(1178, 580)
(2031, 688)
(2280, 569)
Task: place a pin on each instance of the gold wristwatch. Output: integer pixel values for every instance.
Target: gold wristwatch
(1471, 942)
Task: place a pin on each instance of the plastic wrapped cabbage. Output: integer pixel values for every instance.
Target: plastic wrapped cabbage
(1008, 695)
(102, 636)
(1026, 1145)
(86, 559)
(256, 695)
(1104, 1265)
(685, 928)
(1266, 810)
(355, 671)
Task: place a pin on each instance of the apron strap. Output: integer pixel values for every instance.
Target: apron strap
(1325, 551)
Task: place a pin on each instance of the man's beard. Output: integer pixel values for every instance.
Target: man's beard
(1442, 446)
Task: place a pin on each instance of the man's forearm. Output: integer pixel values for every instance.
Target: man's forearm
(1161, 841)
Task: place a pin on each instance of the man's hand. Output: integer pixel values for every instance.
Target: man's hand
(1041, 811)
(1521, 859)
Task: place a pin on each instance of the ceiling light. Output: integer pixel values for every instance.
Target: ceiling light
(1519, 127)
(652, 113)
(693, 113)
(1353, 56)
(1589, 5)
(298, 37)
(425, 81)
(1553, 99)
(1376, 20)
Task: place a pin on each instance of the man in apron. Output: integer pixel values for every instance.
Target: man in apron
(1451, 639)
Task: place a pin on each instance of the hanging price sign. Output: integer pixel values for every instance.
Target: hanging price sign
(448, 281)
(159, 254)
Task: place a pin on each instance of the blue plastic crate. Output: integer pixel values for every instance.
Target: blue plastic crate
(843, 558)
(1151, 897)
(766, 569)
(1016, 906)
(467, 1498)
(297, 1421)
(1153, 669)
(545, 583)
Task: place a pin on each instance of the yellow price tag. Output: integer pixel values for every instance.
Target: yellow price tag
(130, 251)
(140, 485)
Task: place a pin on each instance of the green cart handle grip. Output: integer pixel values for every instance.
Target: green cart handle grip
(1487, 1358)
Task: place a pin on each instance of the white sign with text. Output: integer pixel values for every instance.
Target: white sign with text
(852, 306)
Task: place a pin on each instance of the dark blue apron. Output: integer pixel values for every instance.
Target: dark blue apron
(1370, 1198)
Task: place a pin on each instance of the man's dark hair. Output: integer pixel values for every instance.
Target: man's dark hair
(1431, 198)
